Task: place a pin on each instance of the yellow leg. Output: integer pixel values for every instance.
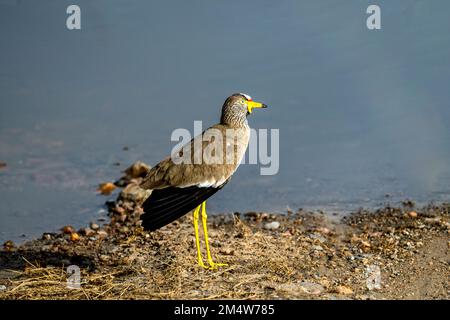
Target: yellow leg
(197, 238)
(212, 264)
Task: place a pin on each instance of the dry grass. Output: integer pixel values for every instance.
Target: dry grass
(307, 249)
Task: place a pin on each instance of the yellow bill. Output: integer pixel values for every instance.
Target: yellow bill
(254, 104)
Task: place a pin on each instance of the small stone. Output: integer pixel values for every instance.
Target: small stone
(8, 245)
(318, 237)
(46, 236)
(68, 229)
(311, 287)
(433, 220)
(46, 247)
(227, 251)
(137, 170)
(323, 230)
(65, 262)
(412, 214)
(102, 233)
(74, 236)
(365, 244)
(344, 290)
(106, 188)
(272, 225)
(94, 226)
(325, 283)
(317, 248)
(375, 234)
(264, 216)
(134, 193)
(87, 232)
(119, 210)
(104, 258)
(2, 287)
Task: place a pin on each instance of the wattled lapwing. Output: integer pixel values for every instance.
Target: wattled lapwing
(183, 181)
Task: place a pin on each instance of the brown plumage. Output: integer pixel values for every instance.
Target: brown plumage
(178, 188)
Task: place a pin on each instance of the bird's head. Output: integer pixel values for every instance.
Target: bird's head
(237, 107)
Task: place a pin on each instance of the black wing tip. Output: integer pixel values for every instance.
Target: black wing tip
(166, 205)
(148, 225)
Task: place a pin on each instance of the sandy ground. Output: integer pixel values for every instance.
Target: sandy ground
(393, 253)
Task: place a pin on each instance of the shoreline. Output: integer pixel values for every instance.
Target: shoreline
(390, 253)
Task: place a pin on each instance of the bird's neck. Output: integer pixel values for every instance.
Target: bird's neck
(234, 122)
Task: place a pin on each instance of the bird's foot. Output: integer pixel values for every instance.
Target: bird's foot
(201, 264)
(214, 265)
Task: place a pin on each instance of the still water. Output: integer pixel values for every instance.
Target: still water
(362, 114)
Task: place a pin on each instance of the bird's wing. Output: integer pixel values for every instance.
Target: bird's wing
(180, 187)
(166, 205)
(208, 171)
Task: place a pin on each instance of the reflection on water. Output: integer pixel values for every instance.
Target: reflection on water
(362, 114)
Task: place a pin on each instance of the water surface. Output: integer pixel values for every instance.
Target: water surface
(362, 114)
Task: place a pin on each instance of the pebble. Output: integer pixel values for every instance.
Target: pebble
(68, 229)
(134, 193)
(106, 188)
(103, 258)
(227, 251)
(412, 214)
(137, 169)
(264, 216)
(2, 287)
(365, 244)
(433, 220)
(94, 226)
(272, 225)
(102, 233)
(311, 287)
(46, 236)
(87, 232)
(66, 262)
(319, 237)
(74, 236)
(323, 230)
(344, 290)
(8, 245)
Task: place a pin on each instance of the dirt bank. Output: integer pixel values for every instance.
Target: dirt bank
(393, 253)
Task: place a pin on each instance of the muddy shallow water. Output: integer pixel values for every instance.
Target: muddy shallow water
(362, 114)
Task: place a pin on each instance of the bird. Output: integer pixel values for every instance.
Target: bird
(183, 181)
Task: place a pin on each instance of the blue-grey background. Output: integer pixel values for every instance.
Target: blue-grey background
(361, 113)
